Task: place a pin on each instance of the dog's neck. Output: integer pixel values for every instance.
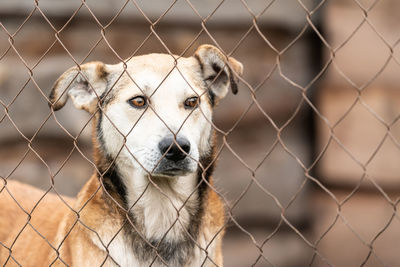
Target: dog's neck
(165, 211)
(162, 206)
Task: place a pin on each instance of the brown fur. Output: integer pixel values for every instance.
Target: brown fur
(54, 221)
(38, 229)
(65, 239)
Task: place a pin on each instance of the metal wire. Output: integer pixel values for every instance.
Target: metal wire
(310, 176)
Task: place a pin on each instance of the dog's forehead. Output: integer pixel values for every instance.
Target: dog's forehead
(161, 63)
(162, 72)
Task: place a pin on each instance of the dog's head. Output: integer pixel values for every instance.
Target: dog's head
(155, 111)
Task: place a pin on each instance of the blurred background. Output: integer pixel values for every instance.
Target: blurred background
(311, 177)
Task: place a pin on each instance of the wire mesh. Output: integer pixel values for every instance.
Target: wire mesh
(286, 58)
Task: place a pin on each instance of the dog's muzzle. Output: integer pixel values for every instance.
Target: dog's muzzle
(175, 160)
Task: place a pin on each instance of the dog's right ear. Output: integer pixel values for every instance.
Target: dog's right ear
(219, 71)
(84, 86)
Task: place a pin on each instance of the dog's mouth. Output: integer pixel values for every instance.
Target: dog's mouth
(172, 173)
(172, 169)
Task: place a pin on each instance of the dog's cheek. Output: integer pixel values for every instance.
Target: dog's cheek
(206, 129)
(142, 145)
(205, 146)
(199, 132)
(112, 139)
(114, 129)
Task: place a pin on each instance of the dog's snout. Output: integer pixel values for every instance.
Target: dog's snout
(174, 150)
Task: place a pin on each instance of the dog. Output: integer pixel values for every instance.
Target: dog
(150, 201)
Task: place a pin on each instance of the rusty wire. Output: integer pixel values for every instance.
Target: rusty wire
(278, 141)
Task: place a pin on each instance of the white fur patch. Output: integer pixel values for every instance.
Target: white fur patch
(161, 206)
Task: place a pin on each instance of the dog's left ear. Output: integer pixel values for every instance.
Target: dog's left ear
(83, 85)
(219, 71)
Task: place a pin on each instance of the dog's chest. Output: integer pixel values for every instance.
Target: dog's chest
(116, 250)
(122, 255)
(123, 251)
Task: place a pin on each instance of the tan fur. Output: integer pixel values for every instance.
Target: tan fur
(54, 220)
(235, 65)
(38, 229)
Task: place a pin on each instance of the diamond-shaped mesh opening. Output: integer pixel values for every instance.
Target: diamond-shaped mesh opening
(298, 168)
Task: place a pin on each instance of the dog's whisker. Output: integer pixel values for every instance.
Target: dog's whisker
(148, 194)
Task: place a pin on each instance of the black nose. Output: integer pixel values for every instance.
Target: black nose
(171, 150)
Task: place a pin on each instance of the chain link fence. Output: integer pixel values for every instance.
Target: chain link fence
(307, 150)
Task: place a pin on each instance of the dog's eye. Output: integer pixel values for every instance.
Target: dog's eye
(192, 102)
(138, 102)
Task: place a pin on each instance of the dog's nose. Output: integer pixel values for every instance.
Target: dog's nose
(171, 150)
